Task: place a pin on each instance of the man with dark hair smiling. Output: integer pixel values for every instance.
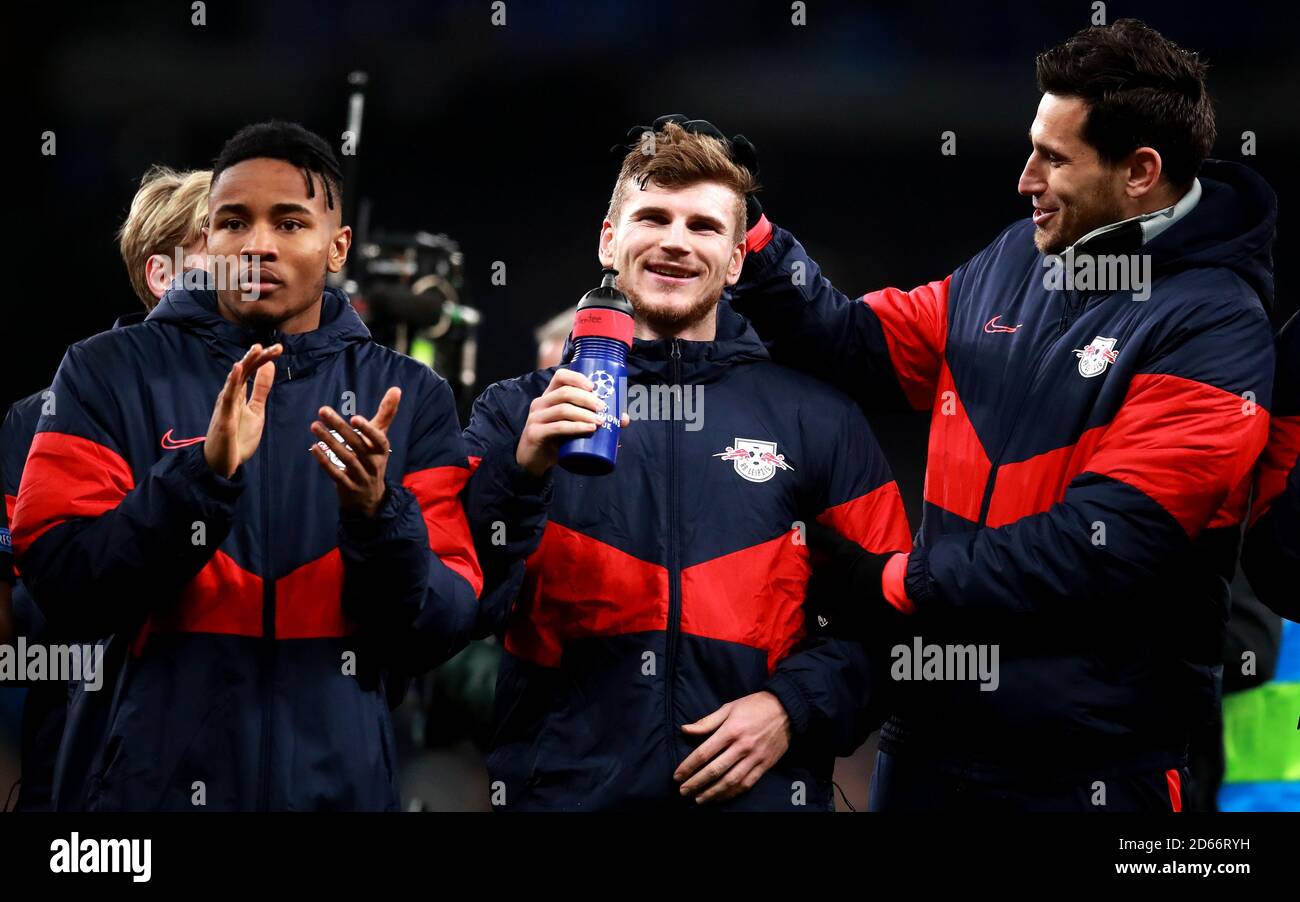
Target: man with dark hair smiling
(270, 598)
(1090, 445)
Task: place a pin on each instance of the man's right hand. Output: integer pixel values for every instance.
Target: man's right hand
(237, 419)
(567, 409)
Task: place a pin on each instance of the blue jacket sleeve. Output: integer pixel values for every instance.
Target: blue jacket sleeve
(410, 576)
(98, 550)
(7, 630)
(831, 687)
(827, 688)
(506, 505)
(1174, 459)
(885, 350)
(15, 442)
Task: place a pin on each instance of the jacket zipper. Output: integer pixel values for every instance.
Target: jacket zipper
(674, 577)
(1074, 303)
(269, 652)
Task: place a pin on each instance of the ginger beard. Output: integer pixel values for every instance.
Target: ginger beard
(674, 250)
(671, 310)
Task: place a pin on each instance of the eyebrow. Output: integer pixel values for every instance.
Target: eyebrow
(1044, 146)
(282, 209)
(696, 217)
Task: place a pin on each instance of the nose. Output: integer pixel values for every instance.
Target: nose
(674, 239)
(259, 241)
(1031, 179)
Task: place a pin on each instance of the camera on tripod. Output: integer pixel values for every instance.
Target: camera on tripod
(409, 290)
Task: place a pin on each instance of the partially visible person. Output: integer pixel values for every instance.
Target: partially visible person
(1250, 660)
(1271, 553)
(551, 336)
(459, 694)
(164, 226)
(1262, 746)
(1261, 699)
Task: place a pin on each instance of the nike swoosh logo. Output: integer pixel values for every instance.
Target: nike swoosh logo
(171, 444)
(992, 325)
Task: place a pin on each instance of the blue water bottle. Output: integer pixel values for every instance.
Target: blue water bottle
(602, 336)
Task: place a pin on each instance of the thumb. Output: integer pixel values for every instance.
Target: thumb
(261, 387)
(709, 723)
(383, 417)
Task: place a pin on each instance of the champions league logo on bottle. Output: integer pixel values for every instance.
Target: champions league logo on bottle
(606, 389)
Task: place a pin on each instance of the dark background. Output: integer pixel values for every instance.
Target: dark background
(500, 136)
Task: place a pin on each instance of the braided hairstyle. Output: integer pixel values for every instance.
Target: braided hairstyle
(290, 142)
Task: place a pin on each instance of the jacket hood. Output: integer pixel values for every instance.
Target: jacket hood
(736, 342)
(1232, 226)
(195, 310)
(129, 319)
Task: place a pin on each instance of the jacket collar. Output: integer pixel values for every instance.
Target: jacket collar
(735, 343)
(1232, 225)
(1138, 230)
(195, 310)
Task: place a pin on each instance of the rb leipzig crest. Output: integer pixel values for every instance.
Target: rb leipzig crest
(1099, 354)
(754, 460)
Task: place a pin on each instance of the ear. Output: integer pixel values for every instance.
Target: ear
(1143, 172)
(605, 247)
(158, 274)
(339, 246)
(736, 263)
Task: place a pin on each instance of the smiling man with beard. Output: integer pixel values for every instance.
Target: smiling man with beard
(1090, 450)
(656, 653)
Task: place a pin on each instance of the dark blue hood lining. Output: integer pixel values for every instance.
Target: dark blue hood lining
(197, 311)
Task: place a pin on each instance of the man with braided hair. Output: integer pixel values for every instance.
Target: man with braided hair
(270, 597)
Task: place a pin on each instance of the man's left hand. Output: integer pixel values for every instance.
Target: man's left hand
(363, 452)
